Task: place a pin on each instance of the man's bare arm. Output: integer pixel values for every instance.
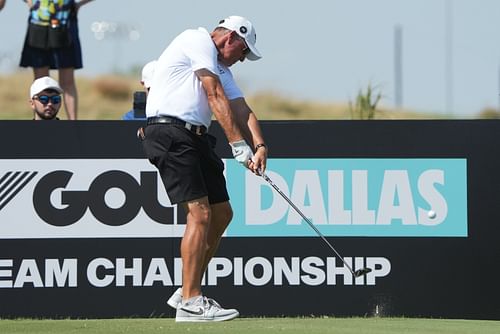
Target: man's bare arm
(219, 105)
(247, 122)
(249, 125)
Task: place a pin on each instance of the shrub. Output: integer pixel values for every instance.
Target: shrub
(489, 113)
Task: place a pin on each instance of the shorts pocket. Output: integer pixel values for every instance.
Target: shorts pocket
(58, 37)
(156, 143)
(38, 36)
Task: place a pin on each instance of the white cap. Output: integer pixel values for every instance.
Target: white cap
(147, 73)
(43, 83)
(243, 28)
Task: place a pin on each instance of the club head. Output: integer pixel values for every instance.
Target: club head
(361, 272)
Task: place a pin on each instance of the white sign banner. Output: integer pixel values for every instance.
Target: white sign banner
(84, 198)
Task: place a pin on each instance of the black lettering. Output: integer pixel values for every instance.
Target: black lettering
(150, 203)
(75, 200)
(97, 203)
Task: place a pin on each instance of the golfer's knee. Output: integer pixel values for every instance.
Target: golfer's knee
(225, 216)
(201, 218)
(198, 212)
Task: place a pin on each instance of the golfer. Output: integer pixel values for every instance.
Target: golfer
(192, 81)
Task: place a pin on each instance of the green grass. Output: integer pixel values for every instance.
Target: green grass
(254, 326)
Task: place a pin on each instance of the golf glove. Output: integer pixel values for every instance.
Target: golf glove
(241, 151)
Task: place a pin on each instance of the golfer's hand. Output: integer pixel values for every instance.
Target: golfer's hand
(259, 161)
(241, 152)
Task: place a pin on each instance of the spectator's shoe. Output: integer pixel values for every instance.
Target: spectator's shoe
(203, 310)
(175, 299)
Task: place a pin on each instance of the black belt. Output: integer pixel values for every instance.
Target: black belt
(196, 129)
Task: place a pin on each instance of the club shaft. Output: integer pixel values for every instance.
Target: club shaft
(285, 197)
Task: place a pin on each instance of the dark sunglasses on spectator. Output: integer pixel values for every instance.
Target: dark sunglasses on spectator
(44, 99)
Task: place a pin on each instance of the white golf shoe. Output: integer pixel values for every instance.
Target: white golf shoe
(175, 299)
(203, 309)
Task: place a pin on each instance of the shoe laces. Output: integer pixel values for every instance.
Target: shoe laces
(209, 303)
(213, 302)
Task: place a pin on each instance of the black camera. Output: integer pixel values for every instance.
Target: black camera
(140, 104)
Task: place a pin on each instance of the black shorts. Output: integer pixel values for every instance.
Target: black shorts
(187, 163)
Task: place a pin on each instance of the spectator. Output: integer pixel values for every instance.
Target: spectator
(52, 42)
(45, 99)
(138, 111)
(2, 3)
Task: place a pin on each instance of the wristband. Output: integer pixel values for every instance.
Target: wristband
(259, 146)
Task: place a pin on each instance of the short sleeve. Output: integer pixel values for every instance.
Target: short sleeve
(201, 51)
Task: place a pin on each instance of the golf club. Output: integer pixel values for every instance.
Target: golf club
(357, 273)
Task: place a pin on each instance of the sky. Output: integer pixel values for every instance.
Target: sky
(324, 50)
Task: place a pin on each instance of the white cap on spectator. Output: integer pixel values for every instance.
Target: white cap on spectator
(245, 29)
(147, 73)
(43, 83)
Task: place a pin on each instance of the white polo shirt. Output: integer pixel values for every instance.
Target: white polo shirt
(176, 90)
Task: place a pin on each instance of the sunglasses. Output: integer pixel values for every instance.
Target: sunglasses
(246, 50)
(44, 99)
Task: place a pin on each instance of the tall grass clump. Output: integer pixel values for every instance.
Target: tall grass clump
(365, 106)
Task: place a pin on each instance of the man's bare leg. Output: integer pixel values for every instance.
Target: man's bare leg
(221, 217)
(194, 246)
(195, 250)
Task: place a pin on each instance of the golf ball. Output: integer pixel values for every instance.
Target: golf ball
(431, 214)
